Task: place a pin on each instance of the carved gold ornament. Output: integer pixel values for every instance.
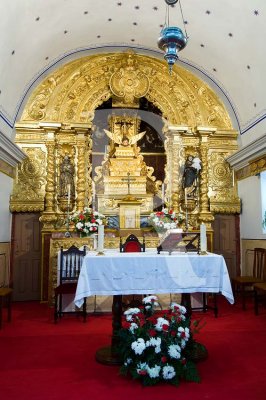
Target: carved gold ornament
(129, 83)
(29, 189)
(76, 89)
(220, 174)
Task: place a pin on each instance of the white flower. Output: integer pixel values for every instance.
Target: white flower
(154, 371)
(154, 342)
(178, 308)
(79, 225)
(168, 372)
(133, 327)
(150, 299)
(174, 351)
(183, 333)
(132, 311)
(128, 361)
(138, 346)
(160, 322)
(157, 349)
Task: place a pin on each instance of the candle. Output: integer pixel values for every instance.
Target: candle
(93, 195)
(100, 238)
(186, 197)
(203, 238)
(68, 195)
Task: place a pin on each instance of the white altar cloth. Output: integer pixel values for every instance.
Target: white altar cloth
(118, 273)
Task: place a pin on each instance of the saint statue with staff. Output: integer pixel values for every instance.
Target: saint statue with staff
(66, 180)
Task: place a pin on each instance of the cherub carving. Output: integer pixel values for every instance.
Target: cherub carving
(122, 138)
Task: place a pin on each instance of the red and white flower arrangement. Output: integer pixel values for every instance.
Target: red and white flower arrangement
(87, 221)
(165, 219)
(157, 346)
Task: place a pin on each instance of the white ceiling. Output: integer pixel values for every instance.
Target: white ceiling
(226, 44)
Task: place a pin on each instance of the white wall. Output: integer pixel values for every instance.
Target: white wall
(249, 191)
(4, 127)
(256, 132)
(6, 184)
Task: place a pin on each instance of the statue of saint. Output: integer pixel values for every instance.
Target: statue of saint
(66, 181)
(192, 168)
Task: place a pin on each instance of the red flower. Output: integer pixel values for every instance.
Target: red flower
(81, 216)
(127, 325)
(142, 372)
(152, 332)
(164, 359)
(170, 211)
(173, 333)
(152, 319)
(93, 220)
(165, 327)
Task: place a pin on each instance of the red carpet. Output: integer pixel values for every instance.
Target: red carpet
(43, 361)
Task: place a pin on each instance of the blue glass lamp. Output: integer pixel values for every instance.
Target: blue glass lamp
(172, 40)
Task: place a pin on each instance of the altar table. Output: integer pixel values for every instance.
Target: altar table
(116, 273)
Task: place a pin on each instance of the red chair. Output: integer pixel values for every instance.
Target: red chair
(132, 245)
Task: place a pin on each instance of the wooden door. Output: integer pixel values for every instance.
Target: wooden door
(226, 241)
(26, 256)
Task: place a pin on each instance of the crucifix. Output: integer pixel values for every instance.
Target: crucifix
(128, 179)
(124, 127)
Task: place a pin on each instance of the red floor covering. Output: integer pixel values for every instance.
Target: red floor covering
(43, 361)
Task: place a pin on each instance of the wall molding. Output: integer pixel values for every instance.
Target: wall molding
(10, 154)
(247, 154)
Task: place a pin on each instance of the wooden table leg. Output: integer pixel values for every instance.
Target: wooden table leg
(186, 302)
(107, 355)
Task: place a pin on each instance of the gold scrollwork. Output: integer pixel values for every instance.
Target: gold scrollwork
(76, 89)
(29, 185)
(220, 174)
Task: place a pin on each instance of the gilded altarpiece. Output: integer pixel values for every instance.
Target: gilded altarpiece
(57, 121)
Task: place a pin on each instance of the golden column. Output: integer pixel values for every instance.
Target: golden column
(84, 147)
(48, 217)
(205, 215)
(174, 150)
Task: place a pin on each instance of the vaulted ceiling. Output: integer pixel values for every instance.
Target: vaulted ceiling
(226, 45)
